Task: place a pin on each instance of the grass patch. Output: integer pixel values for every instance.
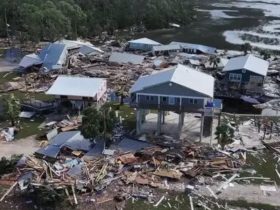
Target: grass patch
(8, 78)
(30, 127)
(244, 204)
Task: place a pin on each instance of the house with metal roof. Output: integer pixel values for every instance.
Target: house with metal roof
(166, 49)
(195, 48)
(126, 58)
(179, 89)
(246, 74)
(54, 55)
(143, 44)
(79, 91)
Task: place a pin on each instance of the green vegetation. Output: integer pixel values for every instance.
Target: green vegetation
(224, 133)
(97, 123)
(30, 127)
(50, 20)
(8, 165)
(12, 109)
(127, 114)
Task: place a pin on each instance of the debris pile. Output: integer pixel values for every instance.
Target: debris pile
(126, 171)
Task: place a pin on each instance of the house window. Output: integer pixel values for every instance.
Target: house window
(193, 101)
(235, 77)
(164, 99)
(171, 101)
(256, 79)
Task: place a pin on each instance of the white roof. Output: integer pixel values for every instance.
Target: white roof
(248, 62)
(30, 60)
(166, 47)
(181, 75)
(144, 41)
(76, 86)
(70, 44)
(117, 57)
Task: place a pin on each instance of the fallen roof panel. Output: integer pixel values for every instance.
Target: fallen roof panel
(120, 58)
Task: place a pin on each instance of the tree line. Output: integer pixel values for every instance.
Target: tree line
(49, 20)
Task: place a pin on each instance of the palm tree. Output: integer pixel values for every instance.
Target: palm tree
(224, 134)
(214, 61)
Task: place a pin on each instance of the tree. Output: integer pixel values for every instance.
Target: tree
(246, 47)
(122, 94)
(224, 134)
(91, 123)
(12, 109)
(97, 123)
(266, 55)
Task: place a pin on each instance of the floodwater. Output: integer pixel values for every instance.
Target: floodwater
(212, 21)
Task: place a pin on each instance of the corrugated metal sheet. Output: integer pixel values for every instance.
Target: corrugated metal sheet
(77, 86)
(181, 75)
(120, 58)
(53, 56)
(30, 60)
(72, 140)
(248, 62)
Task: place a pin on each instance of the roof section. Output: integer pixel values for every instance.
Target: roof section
(30, 60)
(248, 62)
(117, 57)
(76, 86)
(53, 56)
(144, 41)
(181, 75)
(202, 48)
(167, 47)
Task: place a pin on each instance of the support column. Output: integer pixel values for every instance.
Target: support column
(201, 126)
(143, 114)
(163, 117)
(138, 121)
(181, 121)
(159, 122)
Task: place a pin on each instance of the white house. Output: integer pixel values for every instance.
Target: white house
(80, 91)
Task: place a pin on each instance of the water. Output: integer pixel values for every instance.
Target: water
(212, 21)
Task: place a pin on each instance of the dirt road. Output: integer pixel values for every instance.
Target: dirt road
(25, 146)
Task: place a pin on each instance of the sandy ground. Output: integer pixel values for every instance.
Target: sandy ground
(190, 131)
(250, 193)
(7, 66)
(25, 146)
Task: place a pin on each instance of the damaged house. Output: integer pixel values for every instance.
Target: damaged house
(195, 48)
(81, 92)
(246, 74)
(179, 89)
(56, 55)
(71, 142)
(143, 44)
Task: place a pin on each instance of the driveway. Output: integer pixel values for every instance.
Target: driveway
(26, 146)
(6, 66)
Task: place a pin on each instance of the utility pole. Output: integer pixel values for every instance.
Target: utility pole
(7, 26)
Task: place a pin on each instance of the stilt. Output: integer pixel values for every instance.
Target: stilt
(159, 122)
(201, 126)
(181, 121)
(163, 117)
(138, 121)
